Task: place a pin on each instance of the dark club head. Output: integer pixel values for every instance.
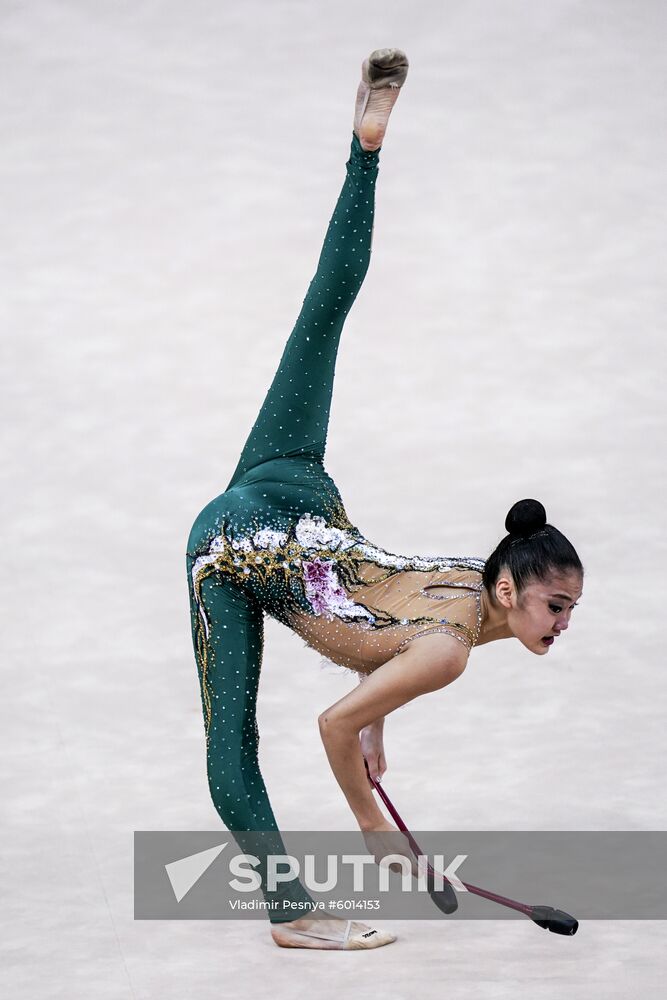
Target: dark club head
(556, 921)
(445, 898)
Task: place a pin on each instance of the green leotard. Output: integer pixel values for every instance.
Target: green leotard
(278, 541)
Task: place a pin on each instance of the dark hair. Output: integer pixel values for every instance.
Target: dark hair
(532, 548)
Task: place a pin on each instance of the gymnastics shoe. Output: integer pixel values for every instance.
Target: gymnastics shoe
(361, 939)
(382, 76)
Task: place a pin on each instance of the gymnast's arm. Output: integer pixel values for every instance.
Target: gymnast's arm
(371, 740)
(427, 665)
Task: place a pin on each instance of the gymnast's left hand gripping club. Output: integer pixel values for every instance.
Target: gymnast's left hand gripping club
(445, 899)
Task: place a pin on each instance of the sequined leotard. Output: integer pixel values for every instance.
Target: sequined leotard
(352, 601)
(279, 541)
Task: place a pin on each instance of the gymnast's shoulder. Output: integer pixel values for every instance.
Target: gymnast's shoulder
(438, 658)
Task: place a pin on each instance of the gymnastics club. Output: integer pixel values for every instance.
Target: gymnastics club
(547, 917)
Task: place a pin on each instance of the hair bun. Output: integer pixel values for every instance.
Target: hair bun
(525, 517)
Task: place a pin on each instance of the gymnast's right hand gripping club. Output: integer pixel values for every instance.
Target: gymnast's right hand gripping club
(547, 917)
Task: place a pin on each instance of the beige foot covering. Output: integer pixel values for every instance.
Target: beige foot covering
(383, 75)
(360, 940)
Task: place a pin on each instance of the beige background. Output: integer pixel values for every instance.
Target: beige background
(167, 174)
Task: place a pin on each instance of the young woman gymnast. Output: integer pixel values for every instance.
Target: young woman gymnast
(278, 541)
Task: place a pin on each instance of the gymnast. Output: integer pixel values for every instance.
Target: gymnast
(278, 541)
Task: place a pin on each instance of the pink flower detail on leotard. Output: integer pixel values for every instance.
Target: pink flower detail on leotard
(325, 594)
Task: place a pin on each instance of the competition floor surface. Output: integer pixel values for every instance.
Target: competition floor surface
(167, 175)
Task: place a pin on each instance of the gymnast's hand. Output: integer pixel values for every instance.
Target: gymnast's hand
(371, 740)
(386, 839)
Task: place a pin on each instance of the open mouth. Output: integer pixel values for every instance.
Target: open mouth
(547, 640)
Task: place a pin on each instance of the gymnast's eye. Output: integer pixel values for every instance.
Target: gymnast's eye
(556, 608)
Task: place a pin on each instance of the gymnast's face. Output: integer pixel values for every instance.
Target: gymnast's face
(541, 611)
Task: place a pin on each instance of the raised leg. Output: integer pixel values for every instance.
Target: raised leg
(294, 417)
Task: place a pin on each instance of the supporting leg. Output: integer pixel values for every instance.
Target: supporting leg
(228, 650)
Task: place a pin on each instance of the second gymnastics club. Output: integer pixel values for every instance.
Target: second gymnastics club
(547, 917)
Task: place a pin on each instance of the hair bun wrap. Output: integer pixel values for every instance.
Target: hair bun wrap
(525, 517)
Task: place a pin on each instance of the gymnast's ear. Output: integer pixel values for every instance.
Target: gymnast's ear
(504, 588)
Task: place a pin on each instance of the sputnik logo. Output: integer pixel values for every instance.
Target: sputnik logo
(185, 872)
